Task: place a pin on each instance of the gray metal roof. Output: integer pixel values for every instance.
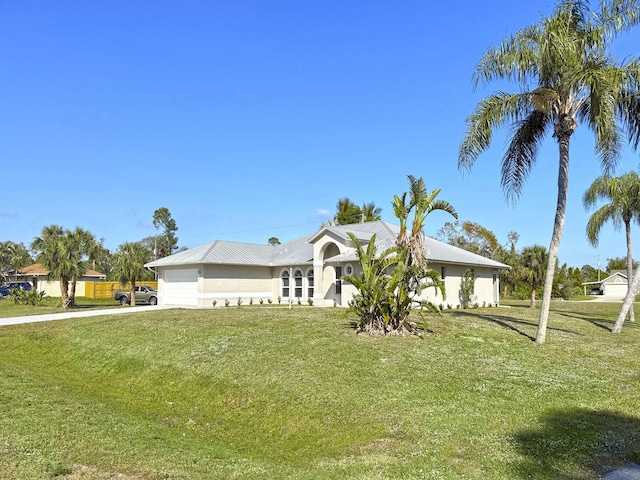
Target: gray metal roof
(300, 250)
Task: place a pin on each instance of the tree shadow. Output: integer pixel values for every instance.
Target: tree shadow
(510, 323)
(577, 444)
(604, 324)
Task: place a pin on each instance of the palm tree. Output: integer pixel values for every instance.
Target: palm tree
(534, 264)
(57, 252)
(86, 247)
(566, 76)
(623, 194)
(129, 265)
(347, 212)
(13, 256)
(421, 204)
(392, 280)
(370, 213)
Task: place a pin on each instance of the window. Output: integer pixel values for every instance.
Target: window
(348, 269)
(285, 284)
(443, 272)
(310, 283)
(297, 281)
(338, 280)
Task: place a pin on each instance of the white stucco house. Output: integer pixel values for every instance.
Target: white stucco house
(310, 267)
(615, 285)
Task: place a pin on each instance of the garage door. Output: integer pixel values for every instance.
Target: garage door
(181, 287)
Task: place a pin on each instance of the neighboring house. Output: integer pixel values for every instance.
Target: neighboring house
(615, 285)
(37, 275)
(307, 268)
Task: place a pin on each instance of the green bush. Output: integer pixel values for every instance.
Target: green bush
(27, 297)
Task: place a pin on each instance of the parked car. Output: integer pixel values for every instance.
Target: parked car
(144, 294)
(595, 291)
(7, 287)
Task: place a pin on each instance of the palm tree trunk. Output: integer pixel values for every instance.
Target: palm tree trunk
(64, 292)
(133, 293)
(558, 226)
(72, 295)
(533, 297)
(628, 302)
(629, 267)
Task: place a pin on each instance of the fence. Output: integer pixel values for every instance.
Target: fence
(106, 289)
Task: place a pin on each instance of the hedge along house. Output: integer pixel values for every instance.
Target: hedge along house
(307, 268)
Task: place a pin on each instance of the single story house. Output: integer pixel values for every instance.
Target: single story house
(307, 268)
(38, 276)
(615, 285)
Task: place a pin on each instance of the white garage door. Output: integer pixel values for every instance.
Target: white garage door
(181, 287)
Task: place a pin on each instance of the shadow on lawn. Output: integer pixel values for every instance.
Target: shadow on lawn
(603, 323)
(597, 322)
(510, 323)
(576, 444)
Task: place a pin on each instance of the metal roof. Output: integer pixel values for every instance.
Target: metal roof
(300, 250)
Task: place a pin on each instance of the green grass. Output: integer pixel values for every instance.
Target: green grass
(53, 305)
(271, 393)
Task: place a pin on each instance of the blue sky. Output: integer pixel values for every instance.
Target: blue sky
(249, 119)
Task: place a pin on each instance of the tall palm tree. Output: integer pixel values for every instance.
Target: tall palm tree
(534, 265)
(129, 265)
(623, 194)
(566, 75)
(57, 252)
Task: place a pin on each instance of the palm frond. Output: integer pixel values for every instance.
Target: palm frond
(522, 152)
(492, 112)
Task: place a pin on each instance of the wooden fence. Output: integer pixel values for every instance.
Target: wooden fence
(106, 289)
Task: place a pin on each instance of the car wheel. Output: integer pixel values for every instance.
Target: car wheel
(153, 301)
(124, 301)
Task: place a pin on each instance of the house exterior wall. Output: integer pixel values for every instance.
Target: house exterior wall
(52, 288)
(230, 282)
(485, 289)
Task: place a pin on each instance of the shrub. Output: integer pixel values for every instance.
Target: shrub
(270, 301)
(310, 301)
(239, 301)
(251, 301)
(261, 301)
(27, 297)
(226, 302)
(215, 302)
(279, 299)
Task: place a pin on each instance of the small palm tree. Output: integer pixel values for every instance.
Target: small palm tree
(567, 76)
(534, 262)
(129, 265)
(623, 195)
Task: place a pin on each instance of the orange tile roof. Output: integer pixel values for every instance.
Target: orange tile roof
(37, 269)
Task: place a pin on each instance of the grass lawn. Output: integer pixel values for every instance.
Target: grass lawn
(53, 305)
(271, 393)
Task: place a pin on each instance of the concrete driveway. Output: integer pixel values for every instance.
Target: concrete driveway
(75, 314)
